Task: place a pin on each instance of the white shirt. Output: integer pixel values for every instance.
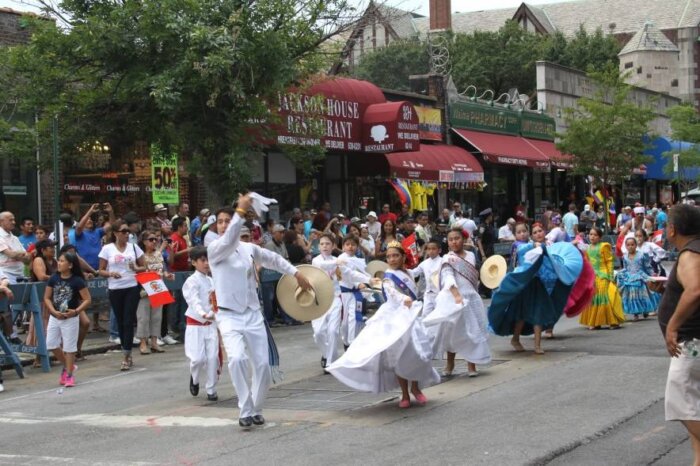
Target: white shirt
(232, 265)
(506, 233)
(374, 229)
(368, 243)
(11, 268)
(353, 273)
(428, 268)
(209, 237)
(118, 261)
(197, 292)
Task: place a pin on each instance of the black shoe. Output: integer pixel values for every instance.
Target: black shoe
(15, 341)
(345, 347)
(194, 389)
(258, 420)
(212, 397)
(323, 362)
(245, 422)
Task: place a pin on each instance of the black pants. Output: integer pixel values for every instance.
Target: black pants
(125, 302)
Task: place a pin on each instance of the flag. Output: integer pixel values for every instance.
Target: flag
(658, 238)
(156, 290)
(411, 248)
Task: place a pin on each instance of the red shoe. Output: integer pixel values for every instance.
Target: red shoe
(420, 399)
(70, 381)
(64, 376)
(403, 404)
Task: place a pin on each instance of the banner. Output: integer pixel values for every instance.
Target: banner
(156, 290)
(164, 177)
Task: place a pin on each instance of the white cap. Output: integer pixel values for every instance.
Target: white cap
(587, 207)
(211, 219)
(372, 214)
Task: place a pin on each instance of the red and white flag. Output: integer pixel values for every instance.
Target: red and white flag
(411, 249)
(658, 238)
(156, 290)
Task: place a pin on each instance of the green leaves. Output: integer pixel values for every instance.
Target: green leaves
(685, 126)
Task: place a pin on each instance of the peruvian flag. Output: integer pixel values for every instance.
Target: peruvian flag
(658, 238)
(156, 290)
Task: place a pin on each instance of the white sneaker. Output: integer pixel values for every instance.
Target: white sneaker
(2, 389)
(168, 340)
(160, 342)
(115, 340)
(136, 341)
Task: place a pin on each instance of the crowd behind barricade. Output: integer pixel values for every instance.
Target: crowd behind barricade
(99, 244)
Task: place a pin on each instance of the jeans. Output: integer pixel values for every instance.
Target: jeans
(113, 327)
(176, 314)
(270, 304)
(125, 302)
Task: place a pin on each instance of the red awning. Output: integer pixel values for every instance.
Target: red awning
(507, 150)
(549, 149)
(436, 162)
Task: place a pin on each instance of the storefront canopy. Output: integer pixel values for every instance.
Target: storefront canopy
(436, 162)
(503, 149)
(655, 168)
(549, 149)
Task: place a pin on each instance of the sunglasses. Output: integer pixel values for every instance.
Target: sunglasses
(151, 239)
(123, 231)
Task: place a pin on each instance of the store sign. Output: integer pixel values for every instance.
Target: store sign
(537, 126)
(391, 127)
(17, 190)
(320, 121)
(429, 123)
(461, 175)
(164, 177)
(103, 187)
(467, 115)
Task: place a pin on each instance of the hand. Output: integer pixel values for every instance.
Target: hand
(244, 202)
(672, 345)
(341, 262)
(375, 282)
(94, 207)
(7, 291)
(407, 302)
(458, 299)
(115, 275)
(89, 275)
(361, 286)
(108, 207)
(302, 281)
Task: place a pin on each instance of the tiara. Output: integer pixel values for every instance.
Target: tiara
(394, 244)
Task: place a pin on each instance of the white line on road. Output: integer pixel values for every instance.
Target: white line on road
(121, 374)
(14, 459)
(124, 421)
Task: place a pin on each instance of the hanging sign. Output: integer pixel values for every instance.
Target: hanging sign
(164, 177)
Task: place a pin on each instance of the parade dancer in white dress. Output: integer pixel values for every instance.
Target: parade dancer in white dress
(327, 327)
(351, 291)
(201, 335)
(459, 323)
(239, 318)
(428, 269)
(394, 347)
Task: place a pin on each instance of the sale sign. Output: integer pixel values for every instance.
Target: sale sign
(164, 178)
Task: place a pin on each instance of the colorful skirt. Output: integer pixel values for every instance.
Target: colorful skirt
(636, 297)
(606, 306)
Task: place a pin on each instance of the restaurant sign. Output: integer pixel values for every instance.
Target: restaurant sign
(468, 115)
(391, 127)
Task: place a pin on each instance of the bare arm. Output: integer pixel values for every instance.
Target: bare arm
(688, 266)
(81, 224)
(39, 269)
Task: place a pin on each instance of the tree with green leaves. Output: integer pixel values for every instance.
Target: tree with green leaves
(605, 133)
(391, 66)
(187, 75)
(685, 127)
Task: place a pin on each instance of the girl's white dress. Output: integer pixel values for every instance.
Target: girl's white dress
(456, 328)
(393, 343)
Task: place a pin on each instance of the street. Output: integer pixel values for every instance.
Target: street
(595, 398)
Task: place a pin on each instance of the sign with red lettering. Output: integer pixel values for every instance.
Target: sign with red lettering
(391, 127)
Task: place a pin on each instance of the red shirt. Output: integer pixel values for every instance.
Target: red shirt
(181, 263)
(389, 216)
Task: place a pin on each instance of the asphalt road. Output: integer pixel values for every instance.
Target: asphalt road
(595, 398)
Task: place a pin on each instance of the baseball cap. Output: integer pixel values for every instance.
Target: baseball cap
(277, 228)
(372, 214)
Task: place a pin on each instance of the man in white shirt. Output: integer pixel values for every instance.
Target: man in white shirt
(239, 318)
(570, 219)
(373, 226)
(507, 231)
(12, 260)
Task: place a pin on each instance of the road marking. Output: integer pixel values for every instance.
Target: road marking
(124, 421)
(14, 459)
(76, 388)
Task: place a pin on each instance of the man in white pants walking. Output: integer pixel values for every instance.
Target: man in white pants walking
(240, 321)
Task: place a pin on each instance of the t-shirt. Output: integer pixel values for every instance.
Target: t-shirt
(118, 261)
(11, 268)
(66, 291)
(388, 216)
(27, 240)
(570, 219)
(180, 263)
(88, 244)
(661, 219)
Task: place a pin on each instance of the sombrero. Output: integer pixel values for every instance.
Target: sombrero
(306, 305)
(492, 271)
(377, 268)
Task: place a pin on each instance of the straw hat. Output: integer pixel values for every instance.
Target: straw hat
(376, 269)
(306, 305)
(492, 271)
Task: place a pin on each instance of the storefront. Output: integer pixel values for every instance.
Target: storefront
(666, 173)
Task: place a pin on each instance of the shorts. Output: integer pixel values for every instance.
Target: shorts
(683, 388)
(66, 330)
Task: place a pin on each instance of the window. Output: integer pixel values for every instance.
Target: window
(629, 65)
(674, 83)
(639, 70)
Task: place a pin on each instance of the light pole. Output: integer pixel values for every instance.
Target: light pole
(56, 192)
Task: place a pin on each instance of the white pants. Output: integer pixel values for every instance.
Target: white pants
(428, 303)
(63, 329)
(327, 330)
(244, 336)
(350, 326)
(202, 349)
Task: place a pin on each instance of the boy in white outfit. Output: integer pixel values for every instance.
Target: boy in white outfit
(201, 336)
(350, 291)
(430, 266)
